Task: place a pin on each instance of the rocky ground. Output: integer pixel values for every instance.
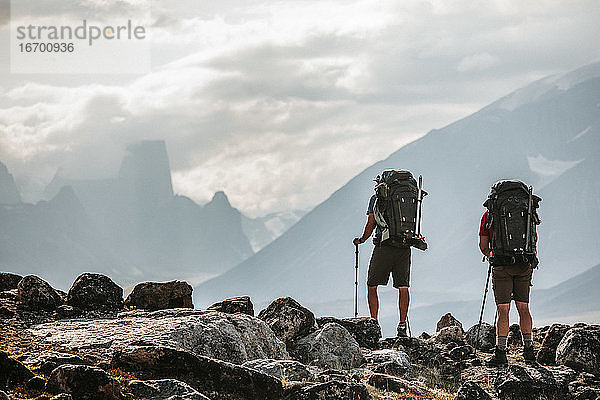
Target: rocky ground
(91, 343)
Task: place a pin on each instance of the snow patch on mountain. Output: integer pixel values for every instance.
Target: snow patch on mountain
(548, 170)
(538, 89)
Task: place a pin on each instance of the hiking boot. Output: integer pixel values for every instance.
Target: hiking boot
(401, 331)
(498, 359)
(529, 354)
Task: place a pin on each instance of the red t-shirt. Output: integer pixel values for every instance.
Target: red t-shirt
(482, 230)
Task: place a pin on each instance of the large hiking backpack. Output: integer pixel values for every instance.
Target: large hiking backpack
(512, 216)
(397, 209)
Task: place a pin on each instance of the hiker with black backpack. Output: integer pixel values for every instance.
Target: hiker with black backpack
(394, 213)
(508, 238)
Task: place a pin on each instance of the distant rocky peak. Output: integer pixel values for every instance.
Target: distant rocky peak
(145, 172)
(9, 193)
(220, 198)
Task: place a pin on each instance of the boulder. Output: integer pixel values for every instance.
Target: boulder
(95, 292)
(288, 319)
(332, 346)
(580, 349)
(35, 384)
(366, 330)
(514, 335)
(66, 311)
(449, 334)
(471, 391)
(36, 294)
(12, 372)
(394, 384)
(160, 295)
(286, 370)
(461, 353)
(528, 383)
(234, 305)
(83, 382)
(331, 390)
(547, 353)
(485, 341)
(50, 362)
(9, 281)
(164, 389)
(388, 361)
(232, 337)
(446, 321)
(6, 313)
(217, 379)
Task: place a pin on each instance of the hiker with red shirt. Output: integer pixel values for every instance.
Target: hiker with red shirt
(511, 276)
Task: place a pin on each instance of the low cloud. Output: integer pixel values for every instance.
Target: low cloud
(261, 99)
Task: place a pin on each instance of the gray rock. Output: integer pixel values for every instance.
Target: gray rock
(449, 334)
(366, 330)
(234, 305)
(62, 396)
(6, 313)
(394, 384)
(288, 319)
(217, 379)
(514, 335)
(580, 349)
(286, 370)
(160, 295)
(471, 391)
(9, 281)
(330, 347)
(164, 389)
(446, 321)
(83, 382)
(66, 311)
(531, 383)
(486, 339)
(3, 396)
(387, 361)
(547, 353)
(36, 294)
(461, 353)
(12, 372)
(35, 384)
(232, 337)
(51, 361)
(95, 292)
(331, 390)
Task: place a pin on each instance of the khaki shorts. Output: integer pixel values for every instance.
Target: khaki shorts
(386, 260)
(512, 282)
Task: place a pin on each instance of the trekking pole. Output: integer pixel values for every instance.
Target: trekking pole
(528, 239)
(487, 283)
(356, 284)
(408, 325)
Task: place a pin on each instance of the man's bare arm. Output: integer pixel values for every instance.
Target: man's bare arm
(484, 245)
(369, 226)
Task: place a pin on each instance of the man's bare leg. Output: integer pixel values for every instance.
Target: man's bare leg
(525, 320)
(403, 302)
(373, 301)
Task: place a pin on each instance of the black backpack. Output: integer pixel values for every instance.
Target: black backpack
(397, 209)
(512, 216)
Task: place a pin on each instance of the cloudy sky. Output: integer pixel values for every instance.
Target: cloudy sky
(279, 103)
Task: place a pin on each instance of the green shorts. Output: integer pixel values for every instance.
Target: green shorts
(386, 260)
(512, 282)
